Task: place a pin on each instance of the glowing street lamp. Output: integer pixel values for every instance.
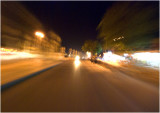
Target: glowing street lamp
(39, 34)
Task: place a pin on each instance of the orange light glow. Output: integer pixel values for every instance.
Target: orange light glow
(9, 54)
(39, 34)
(88, 54)
(77, 61)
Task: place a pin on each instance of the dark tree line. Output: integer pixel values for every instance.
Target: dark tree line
(137, 22)
(127, 26)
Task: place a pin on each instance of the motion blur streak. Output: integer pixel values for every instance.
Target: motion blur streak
(94, 89)
(113, 63)
(137, 21)
(19, 31)
(9, 54)
(112, 59)
(151, 58)
(102, 69)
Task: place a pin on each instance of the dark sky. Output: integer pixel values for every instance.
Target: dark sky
(74, 21)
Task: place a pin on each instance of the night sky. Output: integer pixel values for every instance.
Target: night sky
(74, 21)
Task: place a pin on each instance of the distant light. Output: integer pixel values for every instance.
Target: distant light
(77, 57)
(88, 54)
(77, 61)
(125, 54)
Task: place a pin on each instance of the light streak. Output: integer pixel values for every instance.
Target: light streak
(152, 59)
(9, 54)
(112, 59)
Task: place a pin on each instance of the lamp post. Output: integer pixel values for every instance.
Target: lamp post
(39, 36)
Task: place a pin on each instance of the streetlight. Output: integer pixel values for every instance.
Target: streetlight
(39, 35)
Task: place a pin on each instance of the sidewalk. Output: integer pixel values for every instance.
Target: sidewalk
(14, 69)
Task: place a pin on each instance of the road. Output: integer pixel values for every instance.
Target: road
(86, 87)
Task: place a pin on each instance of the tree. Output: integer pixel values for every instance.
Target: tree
(119, 46)
(98, 48)
(92, 46)
(137, 22)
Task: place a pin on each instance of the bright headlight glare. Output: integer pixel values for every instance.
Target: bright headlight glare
(77, 58)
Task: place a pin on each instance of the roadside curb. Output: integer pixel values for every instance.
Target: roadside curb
(14, 82)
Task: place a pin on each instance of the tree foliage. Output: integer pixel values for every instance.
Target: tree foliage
(92, 46)
(136, 21)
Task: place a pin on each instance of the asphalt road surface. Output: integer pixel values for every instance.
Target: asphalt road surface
(84, 87)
